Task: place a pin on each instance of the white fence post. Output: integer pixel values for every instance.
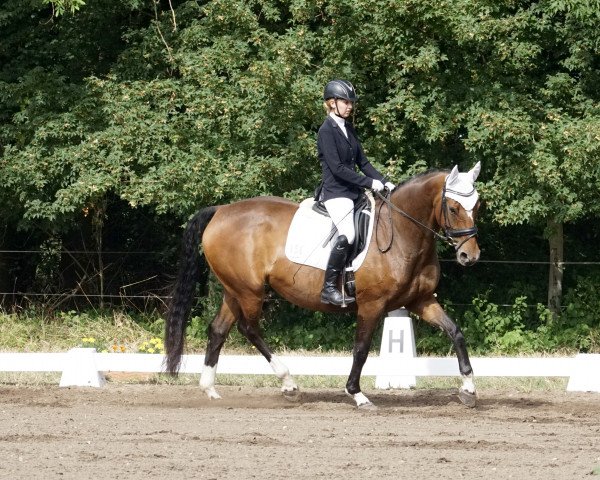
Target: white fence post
(397, 343)
(80, 369)
(585, 375)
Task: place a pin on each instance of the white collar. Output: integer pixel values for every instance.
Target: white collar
(340, 121)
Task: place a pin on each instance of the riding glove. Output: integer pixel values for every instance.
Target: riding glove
(377, 186)
(390, 186)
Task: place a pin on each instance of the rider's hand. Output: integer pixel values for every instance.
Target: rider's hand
(390, 186)
(377, 186)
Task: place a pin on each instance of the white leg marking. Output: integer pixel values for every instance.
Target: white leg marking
(468, 384)
(207, 382)
(360, 399)
(282, 372)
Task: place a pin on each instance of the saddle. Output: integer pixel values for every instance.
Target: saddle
(310, 235)
(362, 217)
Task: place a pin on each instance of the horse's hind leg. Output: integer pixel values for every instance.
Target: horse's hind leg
(249, 327)
(217, 333)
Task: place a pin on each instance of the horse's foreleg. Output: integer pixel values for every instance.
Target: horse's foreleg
(365, 327)
(467, 392)
(432, 312)
(248, 326)
(359, 354)
(217, 333)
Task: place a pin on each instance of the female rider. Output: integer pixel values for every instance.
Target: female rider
(340, 152)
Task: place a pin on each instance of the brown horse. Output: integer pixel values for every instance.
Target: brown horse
(243, 244)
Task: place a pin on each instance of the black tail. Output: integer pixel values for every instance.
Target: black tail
(192, 269)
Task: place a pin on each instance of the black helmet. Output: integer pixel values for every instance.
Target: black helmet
(340, 89)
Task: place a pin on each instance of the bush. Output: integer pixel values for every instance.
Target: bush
(491, 329)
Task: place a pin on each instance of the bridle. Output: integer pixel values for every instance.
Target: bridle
(450, 235)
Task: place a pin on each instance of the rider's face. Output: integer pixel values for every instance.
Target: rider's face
(342, 107)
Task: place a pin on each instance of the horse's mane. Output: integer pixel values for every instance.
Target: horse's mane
(418, 176)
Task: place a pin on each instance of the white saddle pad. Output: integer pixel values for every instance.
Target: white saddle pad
(309, 231)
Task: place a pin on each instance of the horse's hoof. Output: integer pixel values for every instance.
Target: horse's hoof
(211, 393)
(362, 402)
(368, 407)
(467, 398)
(292, 395)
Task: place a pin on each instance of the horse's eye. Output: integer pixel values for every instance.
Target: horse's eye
(453, 211)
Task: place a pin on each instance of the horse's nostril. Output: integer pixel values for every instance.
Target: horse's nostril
(465, 260)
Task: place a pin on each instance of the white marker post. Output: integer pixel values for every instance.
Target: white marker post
(397, 343)
(80, 369)
(585, 376)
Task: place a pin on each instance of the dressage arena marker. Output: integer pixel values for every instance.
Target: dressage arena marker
(397, 344)
(81, 370)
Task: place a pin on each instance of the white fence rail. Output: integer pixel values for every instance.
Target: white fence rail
(396, 366)
(83, 366)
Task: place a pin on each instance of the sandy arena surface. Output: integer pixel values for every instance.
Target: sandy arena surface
(132, 431)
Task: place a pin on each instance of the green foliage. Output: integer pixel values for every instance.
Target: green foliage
(577, 327)
(201, 115)
(157, 108)
(291, 328)
(33, 330)
(212, 102)
(487, 329)
(60, 7)
(491, 329)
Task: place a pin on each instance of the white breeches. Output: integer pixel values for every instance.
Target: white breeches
(341, 211)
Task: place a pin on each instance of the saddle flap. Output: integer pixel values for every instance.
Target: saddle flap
(311, 233)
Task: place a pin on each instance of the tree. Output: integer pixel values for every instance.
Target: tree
(547, 127)
(182, 104)
(513, 83)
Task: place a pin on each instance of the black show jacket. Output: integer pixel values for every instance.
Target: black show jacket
(339, 156)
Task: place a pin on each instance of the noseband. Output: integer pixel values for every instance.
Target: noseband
(450, 234)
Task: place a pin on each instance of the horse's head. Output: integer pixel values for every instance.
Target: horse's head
(459, 205)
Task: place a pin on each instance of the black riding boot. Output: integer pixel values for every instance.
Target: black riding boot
(335, 265)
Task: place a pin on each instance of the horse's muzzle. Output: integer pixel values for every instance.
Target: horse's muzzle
(468, 253)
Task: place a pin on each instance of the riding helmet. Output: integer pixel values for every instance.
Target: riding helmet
(340, 89)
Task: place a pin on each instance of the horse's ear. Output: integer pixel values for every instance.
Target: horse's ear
(475, 171)
(450, 179)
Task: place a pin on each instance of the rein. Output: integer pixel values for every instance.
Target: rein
(449, 236)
